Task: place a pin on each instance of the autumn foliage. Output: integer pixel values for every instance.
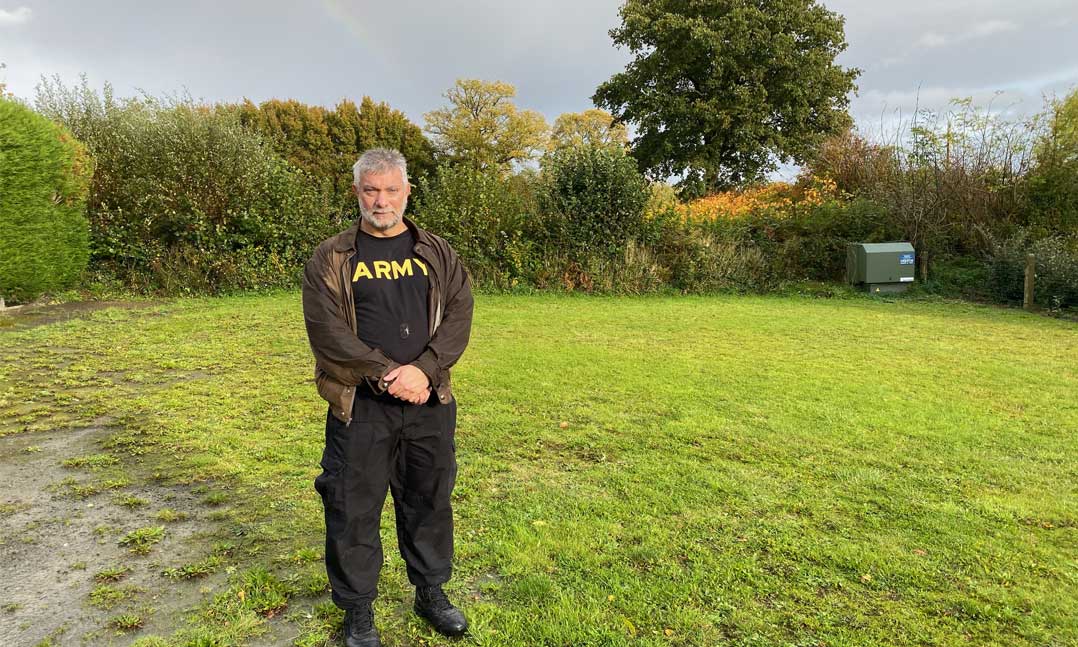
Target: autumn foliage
(777, 197)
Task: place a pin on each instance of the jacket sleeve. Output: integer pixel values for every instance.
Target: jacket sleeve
(451, 338)
(337, 350)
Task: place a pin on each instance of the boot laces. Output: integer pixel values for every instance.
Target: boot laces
(434, 598)
(361, 619)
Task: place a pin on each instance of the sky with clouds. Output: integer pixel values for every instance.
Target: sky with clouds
(408, 52)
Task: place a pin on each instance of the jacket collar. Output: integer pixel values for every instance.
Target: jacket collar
(346, 240)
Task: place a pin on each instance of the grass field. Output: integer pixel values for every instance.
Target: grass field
(734, 471)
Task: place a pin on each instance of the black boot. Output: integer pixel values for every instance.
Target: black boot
(359, 628)
(431, 604)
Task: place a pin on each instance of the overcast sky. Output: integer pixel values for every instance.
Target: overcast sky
(556, 52)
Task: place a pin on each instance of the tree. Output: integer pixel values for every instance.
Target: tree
(591, 127)
(1053, 182)
(483, 129)
(44, 180)
(721, 90)
(326, 143)
(3, 86)
(382, 126)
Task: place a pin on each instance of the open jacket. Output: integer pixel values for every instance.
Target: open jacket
(342, 360)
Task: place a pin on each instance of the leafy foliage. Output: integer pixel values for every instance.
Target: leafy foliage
(591, 127)
(326, 143)
(483, 129)
(481, 213)
(1053, 190)
(1056, 262)
(593, 200)
(720, 89)
(185, 199)
(44, 182)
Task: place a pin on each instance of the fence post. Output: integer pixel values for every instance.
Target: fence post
(1031, 266)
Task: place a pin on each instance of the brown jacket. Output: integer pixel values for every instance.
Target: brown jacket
(342, 360)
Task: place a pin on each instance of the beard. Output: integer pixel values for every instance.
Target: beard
(382, 220)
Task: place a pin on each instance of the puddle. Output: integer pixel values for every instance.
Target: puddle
(31, 316)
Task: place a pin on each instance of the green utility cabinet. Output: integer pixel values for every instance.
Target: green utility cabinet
(880, 267)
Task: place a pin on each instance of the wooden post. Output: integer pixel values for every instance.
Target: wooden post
(1031, 268)
(924, 266)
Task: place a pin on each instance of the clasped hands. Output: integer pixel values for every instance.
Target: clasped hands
(408, 383)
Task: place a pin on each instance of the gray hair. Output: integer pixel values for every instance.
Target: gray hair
(379, 160)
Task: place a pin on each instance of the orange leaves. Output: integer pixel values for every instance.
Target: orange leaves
(779, 197)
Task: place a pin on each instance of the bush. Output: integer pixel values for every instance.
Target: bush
(1056, 281)
(806, 241)
(593, 201)
(481, 214)
(187, 200)
(44, 180)
(699, 258)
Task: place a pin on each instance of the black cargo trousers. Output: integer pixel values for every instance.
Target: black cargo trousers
(409, 449)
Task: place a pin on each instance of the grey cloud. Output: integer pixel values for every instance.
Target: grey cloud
(14, 16)
(409, 53)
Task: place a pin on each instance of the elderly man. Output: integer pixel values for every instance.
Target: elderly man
(388, 309)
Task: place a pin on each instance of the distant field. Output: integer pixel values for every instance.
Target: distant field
(736, 470)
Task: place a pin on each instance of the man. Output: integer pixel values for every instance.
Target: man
(388, 310)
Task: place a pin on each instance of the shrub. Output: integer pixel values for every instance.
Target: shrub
(184, 198)
(1056, 283)
(1053, 182)
(695, 257)
(44, 180)
(481, 214)
(593, 201)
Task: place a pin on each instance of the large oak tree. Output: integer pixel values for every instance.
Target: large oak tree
(720, 91)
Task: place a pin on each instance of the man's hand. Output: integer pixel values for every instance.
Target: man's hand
(408, 383)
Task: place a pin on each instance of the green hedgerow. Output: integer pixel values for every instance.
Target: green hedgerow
(44, 181)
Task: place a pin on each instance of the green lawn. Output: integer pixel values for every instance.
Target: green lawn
(735, 470)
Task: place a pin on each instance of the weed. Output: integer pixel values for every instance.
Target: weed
(12, 607)
(11, 507)
(215, 498)
(126, 623)
(140, 541)
(197, 569)
(130, 501)
(85, 490)
(78, 566)
(94, 462)
(168, 515)
(320, 626)
(301, 556)
(106, 597)
(310, 581)
(114, 574)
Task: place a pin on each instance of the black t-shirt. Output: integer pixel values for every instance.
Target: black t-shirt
(389, 285)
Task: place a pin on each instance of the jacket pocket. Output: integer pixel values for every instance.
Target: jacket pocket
(339, 396)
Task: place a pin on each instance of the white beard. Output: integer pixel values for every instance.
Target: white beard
(370, 217)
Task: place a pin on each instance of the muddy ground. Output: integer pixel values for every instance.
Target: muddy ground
(61, 528)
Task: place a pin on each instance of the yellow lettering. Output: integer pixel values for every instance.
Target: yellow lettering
(402, 269)
(361, 271)
(380, 268)
(421, 265)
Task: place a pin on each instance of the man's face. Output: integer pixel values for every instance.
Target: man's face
(382, 198)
